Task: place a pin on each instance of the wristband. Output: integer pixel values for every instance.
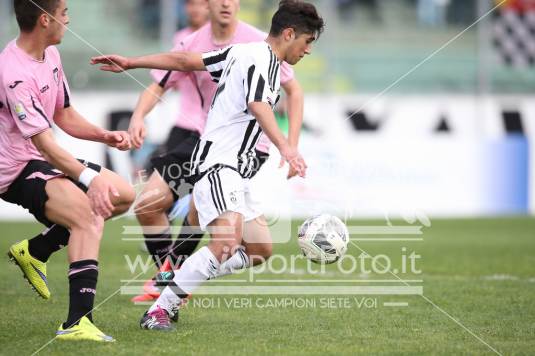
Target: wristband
(87, 176)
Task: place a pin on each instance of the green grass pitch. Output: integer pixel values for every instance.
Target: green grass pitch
(479, 271)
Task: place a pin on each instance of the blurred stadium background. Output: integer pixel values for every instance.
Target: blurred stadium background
(449, 136)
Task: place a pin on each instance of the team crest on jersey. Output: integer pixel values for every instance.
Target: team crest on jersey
(56, 75)
(20, 110)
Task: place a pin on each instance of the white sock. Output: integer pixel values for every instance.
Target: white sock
(237, 261)
(196, 269)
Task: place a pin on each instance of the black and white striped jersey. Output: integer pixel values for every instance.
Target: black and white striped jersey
(245, 73)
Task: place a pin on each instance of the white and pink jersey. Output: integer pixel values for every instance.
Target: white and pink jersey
(190, 102)
(30, 93)
(180, 35)
(196, 100)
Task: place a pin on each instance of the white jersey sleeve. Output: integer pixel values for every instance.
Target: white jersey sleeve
(262, 81)
(215, 62)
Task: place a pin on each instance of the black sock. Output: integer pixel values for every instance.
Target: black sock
(83, 277)
(49, 241)
(185, 243)
(158, 245)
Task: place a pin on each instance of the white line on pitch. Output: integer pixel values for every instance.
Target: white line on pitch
(387, 239)
(385, 230)
(339, 281)
(202, 280)
(395, 304)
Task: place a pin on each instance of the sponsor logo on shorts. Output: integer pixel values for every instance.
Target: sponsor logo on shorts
(45, 88)
(233, 198)
(20, 110)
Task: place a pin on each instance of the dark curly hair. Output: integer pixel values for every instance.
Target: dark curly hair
(299, 15)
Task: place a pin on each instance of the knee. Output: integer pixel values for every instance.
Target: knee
(227, 233)
(96, 226)
(229, 246)
(124, 201)
(85, 221)
(223, 249)
(149, 206)
(128, 196)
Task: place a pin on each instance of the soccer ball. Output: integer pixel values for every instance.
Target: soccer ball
(323, 238)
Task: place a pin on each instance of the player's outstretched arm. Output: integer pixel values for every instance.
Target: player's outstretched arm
(265, 117)
(296, 101)
(181, 61)
(70, 121)
(146, 102)
(99, 189)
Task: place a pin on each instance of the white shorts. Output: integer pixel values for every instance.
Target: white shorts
(223, 189)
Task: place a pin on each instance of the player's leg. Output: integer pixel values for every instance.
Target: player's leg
(226, 234)
(179, 180)
(256, 232)
(219, 196)
(127, 194)
(189, 237)
(257, 237)
(151, 213)
(170, 180)
(67, 205)
(28, 191)
(256, 243)
(257, 240)
(56, 236)
(193, 214)
(256, 248)
(52, 239)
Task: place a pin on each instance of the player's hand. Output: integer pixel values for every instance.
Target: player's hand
(137, 132)
(112, 63)
(292, 172)
(118, 139)
(99, 196)
(294, 159)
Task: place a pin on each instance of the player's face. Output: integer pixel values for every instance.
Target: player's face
(223, 12)
(299, 46)
(197, 11)
(58, 21)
